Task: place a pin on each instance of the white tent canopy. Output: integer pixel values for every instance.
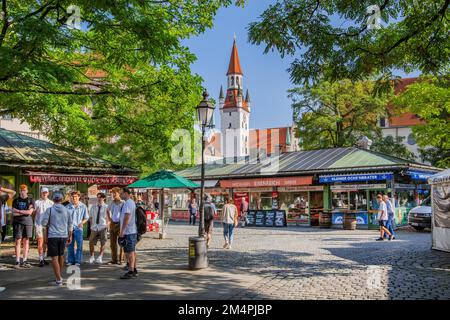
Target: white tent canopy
(440, 204)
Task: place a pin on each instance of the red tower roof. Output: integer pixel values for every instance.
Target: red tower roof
(235, 65)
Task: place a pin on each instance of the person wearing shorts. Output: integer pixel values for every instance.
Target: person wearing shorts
(382, 218)
(41, 206)
(22, 209)
(128, 233)
(59, 226)
(98, 217)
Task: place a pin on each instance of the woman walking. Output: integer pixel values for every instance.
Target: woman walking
(229, 221)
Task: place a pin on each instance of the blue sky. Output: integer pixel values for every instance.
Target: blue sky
(265, 75)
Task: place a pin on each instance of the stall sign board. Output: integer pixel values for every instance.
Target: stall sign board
(420, 175)
(57, 178)
(355, 187)
(260, 218)
(267, 182)
(404, 186)
(356, 177)
(300, 188)
(251, 218)
(280, 218)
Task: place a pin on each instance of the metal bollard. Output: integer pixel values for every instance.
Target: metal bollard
(198, 258)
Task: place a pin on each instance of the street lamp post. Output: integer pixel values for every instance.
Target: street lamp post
(205, 111)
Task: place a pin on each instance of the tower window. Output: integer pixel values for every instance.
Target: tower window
(232, 81)
(383, 122)
(230, 114)
(229, 126)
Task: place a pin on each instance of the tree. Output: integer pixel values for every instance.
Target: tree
(336, 114)
(429, 99)
(117, 87)
(394, 147)
(332, 40)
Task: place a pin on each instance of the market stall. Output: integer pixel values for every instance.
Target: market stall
(440, 208)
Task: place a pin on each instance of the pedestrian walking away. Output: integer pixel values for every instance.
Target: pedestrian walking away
(391, 220)
(99, 221)
(193, 209)
(210, 212)
(5, 195)
(114, 226)
(80, 216)
(41, 206)
(128, 233)
(59, 225)
(23, 208)
(382, 218)
(229, 222)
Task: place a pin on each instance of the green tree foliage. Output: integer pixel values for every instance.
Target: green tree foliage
(118, 86)
(330, 39)
(429, 99)
(394, 147)
(336, 114)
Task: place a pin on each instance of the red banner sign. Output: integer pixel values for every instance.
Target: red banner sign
(266, 182)
(104, 180)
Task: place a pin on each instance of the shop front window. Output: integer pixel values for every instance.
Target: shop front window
(358, 200)
(340, 200)
(261, 200)
(405, 198)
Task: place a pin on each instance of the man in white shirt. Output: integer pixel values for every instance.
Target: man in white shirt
(128, 233)
(41, 206)
(99, 227)
(382, 218)
(114, 225)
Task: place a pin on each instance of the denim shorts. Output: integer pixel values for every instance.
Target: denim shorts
(130, 243)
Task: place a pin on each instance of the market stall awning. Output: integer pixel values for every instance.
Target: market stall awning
(440, 177)
(164, 179)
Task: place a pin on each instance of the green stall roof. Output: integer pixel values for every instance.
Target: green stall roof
(307, 162)
(18, 150)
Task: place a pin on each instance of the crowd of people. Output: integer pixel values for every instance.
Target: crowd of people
(59, 224)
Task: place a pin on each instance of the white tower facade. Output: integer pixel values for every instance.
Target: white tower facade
(234, 112)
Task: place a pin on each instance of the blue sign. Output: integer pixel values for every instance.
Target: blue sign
(356, 177)
(420, 175)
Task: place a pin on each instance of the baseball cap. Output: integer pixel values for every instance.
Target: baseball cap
(44, 190)
(58, 196)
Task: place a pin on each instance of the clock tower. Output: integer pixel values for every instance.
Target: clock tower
(234, 111)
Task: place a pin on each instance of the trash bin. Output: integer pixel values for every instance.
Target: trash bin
(373, 221)
(198, 258)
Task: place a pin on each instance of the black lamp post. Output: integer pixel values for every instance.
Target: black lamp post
(205, 111)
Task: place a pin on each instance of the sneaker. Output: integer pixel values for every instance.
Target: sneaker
(77, 264)
(390, 238)
(26, 265)
(59, 282)
(91, 259)
(99, 260)
(135, 273)
(68, 264)
(380, 239)
(229, 246)
(46, 262)
(41, 263)
(127, 275)
(17, 265)
(225, 245)
(112, 262)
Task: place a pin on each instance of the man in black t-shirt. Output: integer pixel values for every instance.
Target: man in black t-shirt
(23, 207)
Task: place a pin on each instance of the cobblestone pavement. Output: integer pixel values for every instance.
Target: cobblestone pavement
(264, 263)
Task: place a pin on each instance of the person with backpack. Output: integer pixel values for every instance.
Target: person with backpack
(128, 233)
(210, 210)
(59, 226)
(23, 208)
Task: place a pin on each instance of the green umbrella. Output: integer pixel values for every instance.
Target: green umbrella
(164, 179)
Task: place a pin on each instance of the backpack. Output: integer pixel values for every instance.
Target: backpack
(209, 215)
(141, 221)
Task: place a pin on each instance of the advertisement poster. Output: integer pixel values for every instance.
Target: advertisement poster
(260, 215)
(251, 216)
(275, 200)
(362, 218)
(337, 218)
(270, 218)
(280, 219)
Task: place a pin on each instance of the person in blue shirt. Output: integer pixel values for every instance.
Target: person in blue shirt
(80, 216)
(390, 209)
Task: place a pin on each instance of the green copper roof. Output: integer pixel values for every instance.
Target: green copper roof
(307, 162)
(30, 153)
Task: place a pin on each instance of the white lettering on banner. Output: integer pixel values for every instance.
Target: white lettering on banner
(305, 188)
(373, 281)
(355, 187)
(108, 180)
